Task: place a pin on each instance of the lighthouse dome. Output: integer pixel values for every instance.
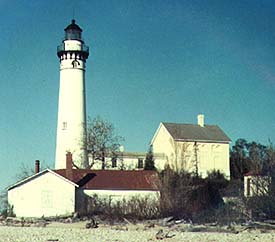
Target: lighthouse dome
(73, 31)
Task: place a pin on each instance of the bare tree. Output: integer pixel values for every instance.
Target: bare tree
(181, 156)
(102, 141)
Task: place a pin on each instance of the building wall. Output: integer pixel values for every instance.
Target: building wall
(71, 124)
(46, 195)
(122, 162)
(182, 155)
(213, 156)
(117, 195)
(256, 185)
(162, 144)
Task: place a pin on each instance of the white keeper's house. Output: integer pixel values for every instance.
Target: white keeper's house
(196, 148)
(66, 191)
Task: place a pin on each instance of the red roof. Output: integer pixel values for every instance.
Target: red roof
(114, 179)
(251, 173)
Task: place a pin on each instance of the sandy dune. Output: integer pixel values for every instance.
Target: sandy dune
(76, 232)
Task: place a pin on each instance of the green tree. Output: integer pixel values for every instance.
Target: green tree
(102, 141)
(149, 160)
(239, 159)
(184, 195)
(247, 157)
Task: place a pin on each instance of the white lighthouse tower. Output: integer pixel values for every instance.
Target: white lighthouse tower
(71, 125)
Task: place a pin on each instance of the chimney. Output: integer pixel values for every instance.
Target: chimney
(201, 120)
(69, 166)
(37, 166)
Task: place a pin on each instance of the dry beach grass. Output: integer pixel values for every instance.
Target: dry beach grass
(76, 232)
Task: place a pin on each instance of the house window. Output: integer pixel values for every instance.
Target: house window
(46, 199)
(140, 163)
(114, 162)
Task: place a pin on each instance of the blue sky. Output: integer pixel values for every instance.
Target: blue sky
(150, 61)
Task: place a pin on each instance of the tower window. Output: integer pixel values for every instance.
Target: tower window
(75, 63)
(64, 125)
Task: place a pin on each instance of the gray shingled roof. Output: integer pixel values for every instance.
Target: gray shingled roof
(195, 132)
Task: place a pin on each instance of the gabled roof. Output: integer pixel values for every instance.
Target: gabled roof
(104, 179)
(194, 132)
(114, 179)
(28, 179)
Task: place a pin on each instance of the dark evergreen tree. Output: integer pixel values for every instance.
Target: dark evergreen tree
(149, 163)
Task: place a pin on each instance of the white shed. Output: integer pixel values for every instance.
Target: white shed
(65, 191)
(256, 184)
(43, 194)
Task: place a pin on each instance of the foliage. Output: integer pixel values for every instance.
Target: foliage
(180, 156)
(6, 209)
(248, 157)
(101, 140)
(184, 195)
(232, 211)
(234, 188)
(149, 160)
(3, 202)
(261, 203)
(136, 208)
(261, 207)
(217, 179)
(24, 172)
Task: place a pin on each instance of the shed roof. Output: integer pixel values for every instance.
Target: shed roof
(194, 132)
(41, 173)
(114, 179)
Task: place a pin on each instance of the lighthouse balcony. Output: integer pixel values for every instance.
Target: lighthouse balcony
(82, 49)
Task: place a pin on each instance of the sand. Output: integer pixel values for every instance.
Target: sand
(76, 232)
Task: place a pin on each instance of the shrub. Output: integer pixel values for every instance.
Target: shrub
(8, 212)
(261, 207)
(136, 208)
(185, 196)
(4, 203)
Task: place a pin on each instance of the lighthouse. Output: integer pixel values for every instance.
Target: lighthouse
(71, 123)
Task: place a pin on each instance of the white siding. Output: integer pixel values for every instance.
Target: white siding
(256, 185)
(125, 163)
(44, 195)
(162, 144)
(118, 195)
(71, 124)
(213, 156)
